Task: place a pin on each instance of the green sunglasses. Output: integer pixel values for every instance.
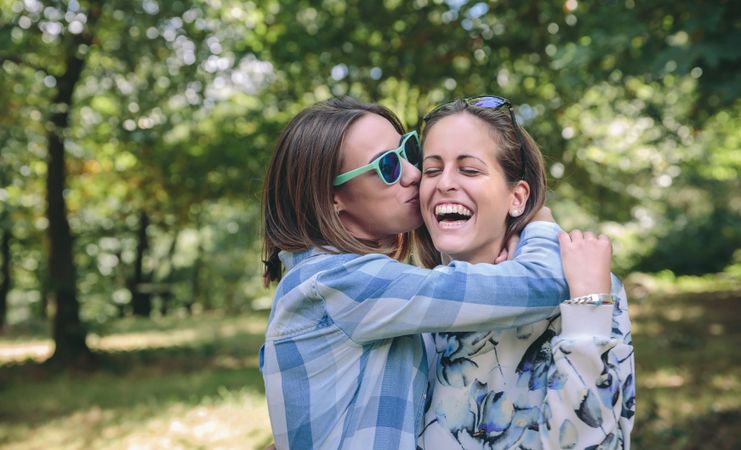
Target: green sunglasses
(388, 165)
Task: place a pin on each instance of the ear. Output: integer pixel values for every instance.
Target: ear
(338, 203)
(520, 194)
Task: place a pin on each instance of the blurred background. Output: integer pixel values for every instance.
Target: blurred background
(134, 136)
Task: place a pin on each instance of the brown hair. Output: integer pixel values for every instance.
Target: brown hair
(531, 170)
(297, 204)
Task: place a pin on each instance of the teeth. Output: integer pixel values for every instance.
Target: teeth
(451, 208)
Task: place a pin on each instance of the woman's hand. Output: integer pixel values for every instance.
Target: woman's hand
(544, 214)
(587, 260)
(508, 251)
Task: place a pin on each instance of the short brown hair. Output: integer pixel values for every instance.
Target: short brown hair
(531, 170)
(297, 205)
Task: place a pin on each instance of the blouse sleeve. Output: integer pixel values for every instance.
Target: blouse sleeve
(590, 399)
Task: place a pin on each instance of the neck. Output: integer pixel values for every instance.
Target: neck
(486, 254)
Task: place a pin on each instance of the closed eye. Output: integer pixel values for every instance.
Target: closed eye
(467, 171)
(431, 171)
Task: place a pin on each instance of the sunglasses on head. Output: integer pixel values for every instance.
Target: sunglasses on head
(388, 165)
(490, 102)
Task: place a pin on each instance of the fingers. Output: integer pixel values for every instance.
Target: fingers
(502, 256)
(564, 239)
(576, 235)
(606, 240)
(514, 241)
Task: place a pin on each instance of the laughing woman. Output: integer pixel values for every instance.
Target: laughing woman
(561, 383)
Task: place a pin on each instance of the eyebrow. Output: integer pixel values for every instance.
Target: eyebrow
(459, 158)
(382, 152)
(373, 158)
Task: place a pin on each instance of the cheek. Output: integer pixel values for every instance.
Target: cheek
(425, 193)
(384, 199)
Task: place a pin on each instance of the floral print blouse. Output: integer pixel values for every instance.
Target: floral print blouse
(562, 383)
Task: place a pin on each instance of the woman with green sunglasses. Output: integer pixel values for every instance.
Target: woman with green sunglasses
(344, 361)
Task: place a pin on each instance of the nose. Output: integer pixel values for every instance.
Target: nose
(410, 175)
(446, 181)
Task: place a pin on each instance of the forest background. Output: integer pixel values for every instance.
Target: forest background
(134, 137)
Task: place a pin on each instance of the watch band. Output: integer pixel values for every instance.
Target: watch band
(593, 299)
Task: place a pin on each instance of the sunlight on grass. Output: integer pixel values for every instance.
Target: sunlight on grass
(163, 384)
(191, 332)
(158, 339)
(236, 420)
(21, 351)
(662, 378)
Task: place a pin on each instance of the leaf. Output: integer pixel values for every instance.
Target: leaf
(608, 443)
(557, 380)
(534, 364)
(567, 435)
(590, 411)
(629, 398)
(609, 390)
(496, 413)
(455, 372)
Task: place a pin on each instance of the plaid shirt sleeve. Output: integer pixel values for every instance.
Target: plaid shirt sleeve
(372, 297)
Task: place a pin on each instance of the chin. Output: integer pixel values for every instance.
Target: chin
(452, 249)
(415, 221)
(405, 226)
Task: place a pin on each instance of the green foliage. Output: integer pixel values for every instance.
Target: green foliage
(634, 104)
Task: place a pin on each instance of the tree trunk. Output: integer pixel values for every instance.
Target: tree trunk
(167, 295)
(42, 274)
(141, 300)
(5, 274)
(195, 281)
(68, 331)
(69, 334)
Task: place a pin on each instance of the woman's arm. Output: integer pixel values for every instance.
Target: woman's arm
(373, 297)
(590, 399)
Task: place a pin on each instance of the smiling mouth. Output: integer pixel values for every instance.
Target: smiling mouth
(452, 215)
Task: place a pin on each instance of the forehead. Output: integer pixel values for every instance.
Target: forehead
(368, 136)
(460, 133)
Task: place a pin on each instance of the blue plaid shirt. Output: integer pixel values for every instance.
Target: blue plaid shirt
(344, 362)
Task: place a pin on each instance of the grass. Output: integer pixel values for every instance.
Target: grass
(688, 371)
(194, 383)
(169, 383)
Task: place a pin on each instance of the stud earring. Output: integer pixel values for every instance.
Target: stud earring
(515, 213)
